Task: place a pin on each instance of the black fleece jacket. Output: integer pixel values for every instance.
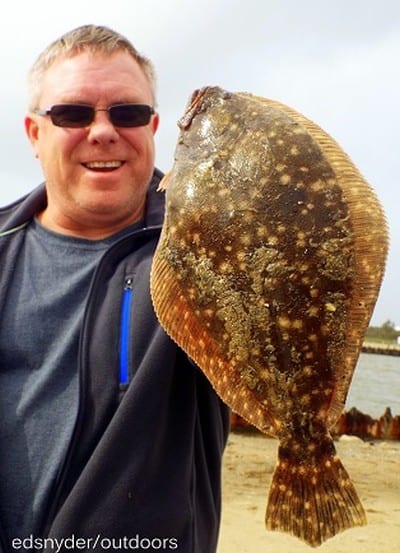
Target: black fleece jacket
(143, 467)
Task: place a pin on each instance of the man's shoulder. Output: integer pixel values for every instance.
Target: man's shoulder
(23, 209)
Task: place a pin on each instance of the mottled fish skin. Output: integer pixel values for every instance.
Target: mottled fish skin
(267, 271)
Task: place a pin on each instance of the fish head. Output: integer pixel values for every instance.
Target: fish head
(222, 148)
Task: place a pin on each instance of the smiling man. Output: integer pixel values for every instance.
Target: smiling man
(109, 435)
(97, 174)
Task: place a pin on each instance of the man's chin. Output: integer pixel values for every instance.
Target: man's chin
(109, 214)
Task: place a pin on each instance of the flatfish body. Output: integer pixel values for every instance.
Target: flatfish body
(267, 272)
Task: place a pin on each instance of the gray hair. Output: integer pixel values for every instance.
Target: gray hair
(89, 38)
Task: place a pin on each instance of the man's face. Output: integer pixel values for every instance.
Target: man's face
(85, 198)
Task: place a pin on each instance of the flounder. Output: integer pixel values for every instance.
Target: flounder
(267, 271)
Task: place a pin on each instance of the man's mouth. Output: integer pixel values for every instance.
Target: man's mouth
(103, 165)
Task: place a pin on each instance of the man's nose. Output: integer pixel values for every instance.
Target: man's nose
(101, 128)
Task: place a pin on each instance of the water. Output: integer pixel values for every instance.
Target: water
(375, 385)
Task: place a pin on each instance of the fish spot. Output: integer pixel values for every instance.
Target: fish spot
(296, 447)
(285, 179)
(325, 330)
(313, 311)
(330, 307)
(262, 231)
(305, 399)
(308, 370)
(225, 267)
(284, 322)
(299, 130)
(273, 240)
(317, 186)
(246, 239)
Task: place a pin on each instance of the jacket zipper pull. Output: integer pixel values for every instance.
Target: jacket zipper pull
(125, 331)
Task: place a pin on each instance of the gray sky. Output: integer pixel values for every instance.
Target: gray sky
(337, 62)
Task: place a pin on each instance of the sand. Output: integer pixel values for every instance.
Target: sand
(248, 465)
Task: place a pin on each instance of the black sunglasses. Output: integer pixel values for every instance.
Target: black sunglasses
(75, 116)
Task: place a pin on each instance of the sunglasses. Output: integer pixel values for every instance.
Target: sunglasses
(75, 116)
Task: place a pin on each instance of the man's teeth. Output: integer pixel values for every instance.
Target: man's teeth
(103, 164)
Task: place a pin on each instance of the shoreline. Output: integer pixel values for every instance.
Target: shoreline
(352, 422)
(380, 349)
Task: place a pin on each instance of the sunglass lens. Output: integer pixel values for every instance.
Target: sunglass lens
(72, 116)
(130, 115)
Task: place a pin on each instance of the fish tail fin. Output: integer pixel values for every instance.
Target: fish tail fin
(313, 500)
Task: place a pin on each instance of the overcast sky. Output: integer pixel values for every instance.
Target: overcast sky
(337, 62)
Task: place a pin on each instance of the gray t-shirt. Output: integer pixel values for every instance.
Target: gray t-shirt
(39, 387)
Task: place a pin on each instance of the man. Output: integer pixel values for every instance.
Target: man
(109, 435)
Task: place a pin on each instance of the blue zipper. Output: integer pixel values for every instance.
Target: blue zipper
(125, 329)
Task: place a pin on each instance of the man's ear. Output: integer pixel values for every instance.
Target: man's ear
(154, 122)
(32, 131)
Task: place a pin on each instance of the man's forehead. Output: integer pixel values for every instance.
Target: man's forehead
(86, 71)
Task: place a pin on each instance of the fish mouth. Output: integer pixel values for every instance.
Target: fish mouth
(193, 108)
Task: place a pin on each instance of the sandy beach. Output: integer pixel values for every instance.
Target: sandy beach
(248, 465)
